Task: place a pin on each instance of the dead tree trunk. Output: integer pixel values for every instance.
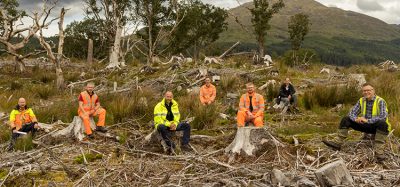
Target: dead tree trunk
(229, 50)
(59, 72)
(116, 49)
(90, 52)
(19, 65)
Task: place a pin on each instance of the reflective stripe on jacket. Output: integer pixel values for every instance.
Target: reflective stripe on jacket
(89, 103)
(375, 109)
(19, 118)
(257, 103)
(160, 114)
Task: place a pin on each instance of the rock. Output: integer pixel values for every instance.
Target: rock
(357, 79)
(325, 70)
(304, 182)
(203, 72)
(216, 78)
(337, 108)
(232, 95)
(278, 178)
(333, 174)
(179, 88)
(269, 82)
(223, 116)
(194, 90)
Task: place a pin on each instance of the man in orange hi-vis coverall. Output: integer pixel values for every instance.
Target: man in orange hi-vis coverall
(89, 105)
(207, 92)
(251, 108)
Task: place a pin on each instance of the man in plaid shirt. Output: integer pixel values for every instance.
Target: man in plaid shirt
(369, 115)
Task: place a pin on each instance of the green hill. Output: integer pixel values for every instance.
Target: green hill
(334, 32)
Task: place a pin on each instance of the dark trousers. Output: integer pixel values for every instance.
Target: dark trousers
(29, 127)
(381, 126)
(166, 133)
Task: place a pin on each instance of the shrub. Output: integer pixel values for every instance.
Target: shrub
(15, 85)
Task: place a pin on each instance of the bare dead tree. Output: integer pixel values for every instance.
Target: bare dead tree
(15, 34)
(55, 58)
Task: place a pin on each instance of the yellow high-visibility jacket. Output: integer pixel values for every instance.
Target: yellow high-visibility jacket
(375, 109)
(160, 114)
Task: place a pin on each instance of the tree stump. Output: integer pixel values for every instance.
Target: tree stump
(335, 173)
(75, 129)
(249, 141)
(155, 138)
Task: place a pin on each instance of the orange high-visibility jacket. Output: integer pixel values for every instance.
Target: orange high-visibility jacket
(19, 118)
(257, 102)
(207, 93)
(89, 103)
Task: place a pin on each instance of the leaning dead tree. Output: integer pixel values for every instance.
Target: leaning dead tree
(54, 58)
(15, 33)
(158, 28)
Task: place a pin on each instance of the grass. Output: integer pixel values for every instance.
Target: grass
(43, 91)
(24, 143)
(205, 117)
(5, 133)
(228, 83)
(89, 158)
(330, 96)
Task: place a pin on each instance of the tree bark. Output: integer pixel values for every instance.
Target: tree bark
(116, 49)
(19, 65)
(261, 46)
(59, 72)
(90, 52)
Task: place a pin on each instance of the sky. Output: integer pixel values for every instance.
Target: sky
(386, 10)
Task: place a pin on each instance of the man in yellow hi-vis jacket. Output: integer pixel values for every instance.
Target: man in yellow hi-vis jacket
(369, 115)
(166, 120)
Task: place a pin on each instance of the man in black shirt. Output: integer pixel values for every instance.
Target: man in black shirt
(287, 93)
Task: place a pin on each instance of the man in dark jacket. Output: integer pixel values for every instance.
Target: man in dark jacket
(286, 93)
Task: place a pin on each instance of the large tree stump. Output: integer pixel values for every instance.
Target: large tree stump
(249, 141)
(75, 129)
(335, 173)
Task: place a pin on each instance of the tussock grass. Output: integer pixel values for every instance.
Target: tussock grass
(64, 111)
(135, 104)
(329, 96)
(228, 83)
(205, 117)
(5, 133)
(43, 91)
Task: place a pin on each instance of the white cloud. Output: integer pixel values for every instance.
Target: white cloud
(369, 5)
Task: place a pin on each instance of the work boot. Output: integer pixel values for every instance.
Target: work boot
(186, 148)
(368, 137)
(337, 141)
(170, 151)
(379, 146)
(10, 146)
(90, 136)
(101, 129)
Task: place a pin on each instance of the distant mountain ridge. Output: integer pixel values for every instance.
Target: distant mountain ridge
(331, 27)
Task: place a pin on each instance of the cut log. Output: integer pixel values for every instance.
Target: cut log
(75, 129)
(333, 174)
(249, 141)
